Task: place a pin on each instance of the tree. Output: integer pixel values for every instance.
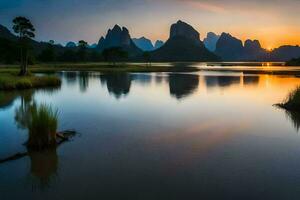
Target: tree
(82, 50)
(8, 51)
(146, 56)
(114, 54)
(24, 28)
(48, 54)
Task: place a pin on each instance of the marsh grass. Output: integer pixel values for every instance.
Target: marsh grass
(42, 127)
(99, 67)
(292, 101)
(10, 81)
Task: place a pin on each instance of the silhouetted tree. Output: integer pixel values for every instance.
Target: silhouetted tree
(48, 54)
(82, 50)
(68, 56)
(114, 54)
(146, 56)
(24, 28)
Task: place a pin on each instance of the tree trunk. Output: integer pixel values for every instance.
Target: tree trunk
(22, 62)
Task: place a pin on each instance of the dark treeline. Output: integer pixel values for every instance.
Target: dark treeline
(49, 52)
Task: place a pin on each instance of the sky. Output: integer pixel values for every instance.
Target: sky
(273, 22)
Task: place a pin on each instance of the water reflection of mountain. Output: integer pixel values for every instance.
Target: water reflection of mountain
(117, 84)
(251, 80)
(227, 81)
(182, 85)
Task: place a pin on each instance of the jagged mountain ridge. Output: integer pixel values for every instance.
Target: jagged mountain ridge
(119, 37)
(184, 44)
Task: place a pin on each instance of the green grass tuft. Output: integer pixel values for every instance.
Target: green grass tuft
(42, 127)
(292, 102)
(10, 81)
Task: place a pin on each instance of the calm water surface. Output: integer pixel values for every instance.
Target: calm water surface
(209, 135)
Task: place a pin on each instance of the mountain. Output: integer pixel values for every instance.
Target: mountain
(285, 53)
(229, 48)
(143, 43)
(158, 44)
(71, 44)
(119, 37)
(5, 33)
(93, 46)
(210, 41)
(253, 51)
(183, 45)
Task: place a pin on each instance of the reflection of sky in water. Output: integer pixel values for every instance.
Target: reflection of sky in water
(160, 135)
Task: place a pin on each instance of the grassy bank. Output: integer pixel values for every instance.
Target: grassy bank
(292, 102)
(10, 81)
(99, 67)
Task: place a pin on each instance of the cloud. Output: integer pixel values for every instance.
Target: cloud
(211, 7)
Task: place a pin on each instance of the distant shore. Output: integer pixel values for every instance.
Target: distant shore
(99, 67)
(247, 68)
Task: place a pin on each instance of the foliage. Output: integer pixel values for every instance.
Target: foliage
(115, 54)
(11, 82)
(81, 53)
(147, 56)
(8, 51)
(48, 54)
(82, 44)
(42, 127)
(24, 28)
(292, 102)
(41, 122)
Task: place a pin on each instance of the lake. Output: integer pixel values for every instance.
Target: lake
(203, 135)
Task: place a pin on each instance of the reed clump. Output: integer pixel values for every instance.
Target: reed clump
(42, 127)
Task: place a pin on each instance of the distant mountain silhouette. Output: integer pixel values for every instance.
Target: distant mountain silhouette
(143, 43)
(117, 84)
(229, 48)
(5, 33)
(93, 46)
(158, 44)
(210, 41)
(183, 45)
(253, 51)
(285, 53)
(183, 85)
(119, 37)
(37, 47)
(71, 44)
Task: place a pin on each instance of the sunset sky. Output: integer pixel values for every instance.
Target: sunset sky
(273, 22)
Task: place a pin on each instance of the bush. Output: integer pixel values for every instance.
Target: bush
(42, 127)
